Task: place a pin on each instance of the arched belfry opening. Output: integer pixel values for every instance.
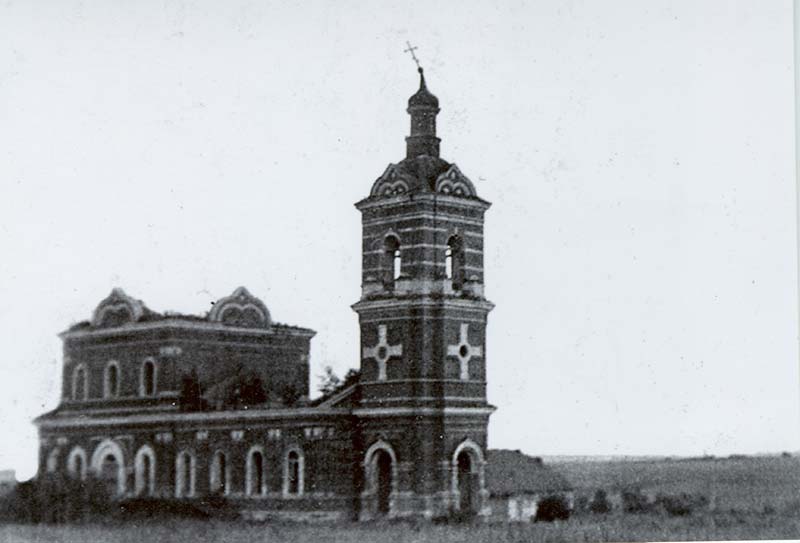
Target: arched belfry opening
(454, 261)
(392, 260)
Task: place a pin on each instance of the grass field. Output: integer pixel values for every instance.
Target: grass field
(613, 527)
(756, 498)
(744, 484)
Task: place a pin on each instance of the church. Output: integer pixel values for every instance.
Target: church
(175, 406)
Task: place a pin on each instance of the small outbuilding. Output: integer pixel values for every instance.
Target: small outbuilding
(517, 483)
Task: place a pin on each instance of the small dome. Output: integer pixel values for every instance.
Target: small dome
(423, 97)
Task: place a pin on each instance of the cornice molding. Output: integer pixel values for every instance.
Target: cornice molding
(456, 201)
(250, 415)
(178, 324)
(424, 301)
(423, 411)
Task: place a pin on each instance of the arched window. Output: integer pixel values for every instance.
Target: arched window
(111, 381)
(80, 383)
(184, 475)
(145, 471)
(393, 260)
(254, 477)
(397, 264)
(52, 460)
(293, 473)
(219, 474)
(454, 261)
(76, 463)
(147, 383)
(448, 263)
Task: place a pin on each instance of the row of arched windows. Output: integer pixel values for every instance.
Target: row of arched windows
(111, 468)
(454, 260)
(111, 380)
(255, 480)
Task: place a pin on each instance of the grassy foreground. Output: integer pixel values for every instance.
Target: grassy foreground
(753, 483)
(613, 527)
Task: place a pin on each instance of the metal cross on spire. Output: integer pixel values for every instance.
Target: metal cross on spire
(411, 50)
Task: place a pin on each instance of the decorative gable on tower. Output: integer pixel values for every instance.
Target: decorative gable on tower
(455, 183)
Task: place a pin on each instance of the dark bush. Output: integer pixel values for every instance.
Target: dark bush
(290, 395)
(458, 517)
(552, 508)
(149, 508)
(56, 499)
(680, 505)
(600, 504)
(634, 501)
(244, 392)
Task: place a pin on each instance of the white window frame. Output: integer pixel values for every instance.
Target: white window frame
(142, 388)
(75, 453)
(75, 371)
(180, 460)
(145, 483)
(106, 387)
(248, 488)
(225, 474)
(300, 472)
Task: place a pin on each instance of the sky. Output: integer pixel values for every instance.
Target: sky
(640, 250)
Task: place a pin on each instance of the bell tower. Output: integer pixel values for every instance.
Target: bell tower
(423, 316)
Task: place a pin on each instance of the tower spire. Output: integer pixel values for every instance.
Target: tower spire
(423, 108)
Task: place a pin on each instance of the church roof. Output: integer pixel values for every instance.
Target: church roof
(512, 472)
(241, 309)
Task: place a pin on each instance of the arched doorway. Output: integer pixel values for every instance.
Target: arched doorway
(380, 481)
(466, 486)
(108, 465)
(468, 478)
(383, 480)
(109, 470)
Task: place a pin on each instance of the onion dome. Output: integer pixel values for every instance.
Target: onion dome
(423, 96)
(423, 108)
